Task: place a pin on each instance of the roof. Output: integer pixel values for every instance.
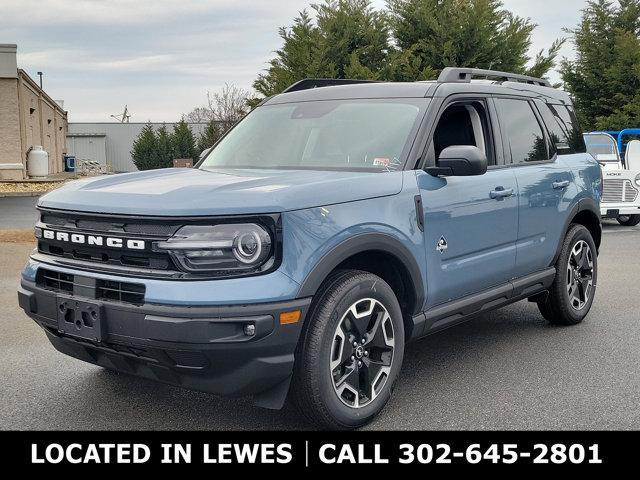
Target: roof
(451, 80)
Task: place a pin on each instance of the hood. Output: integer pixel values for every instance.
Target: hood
(195, 192)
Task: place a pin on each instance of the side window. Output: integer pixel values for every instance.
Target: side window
(463, 123)
(565, 127)
(523, 132)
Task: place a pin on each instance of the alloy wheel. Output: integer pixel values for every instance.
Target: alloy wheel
(362, 353)
(580, 275)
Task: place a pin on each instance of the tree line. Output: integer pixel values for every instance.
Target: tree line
(412, 40)
(158, 148)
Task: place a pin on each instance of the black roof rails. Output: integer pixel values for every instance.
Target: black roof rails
(463, 75)
(309, 83)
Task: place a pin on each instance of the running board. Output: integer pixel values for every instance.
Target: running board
(463, 309)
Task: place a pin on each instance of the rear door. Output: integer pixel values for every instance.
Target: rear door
(470, 223)
(544, 184)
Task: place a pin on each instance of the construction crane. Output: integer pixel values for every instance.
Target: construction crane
(123, 117)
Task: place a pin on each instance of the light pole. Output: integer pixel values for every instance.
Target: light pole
(40, 75)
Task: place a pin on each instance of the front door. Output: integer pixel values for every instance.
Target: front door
(470, 223)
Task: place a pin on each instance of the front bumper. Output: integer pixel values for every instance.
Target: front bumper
(613, 210)
(197, 347)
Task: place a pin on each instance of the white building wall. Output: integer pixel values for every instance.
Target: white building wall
(119, 138)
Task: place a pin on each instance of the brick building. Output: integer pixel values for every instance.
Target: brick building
(28, 117)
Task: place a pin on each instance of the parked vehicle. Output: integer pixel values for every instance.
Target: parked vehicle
(620, 162)
(326, 230)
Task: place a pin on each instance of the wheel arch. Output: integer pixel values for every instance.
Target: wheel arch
(586, 213)
(380, 254)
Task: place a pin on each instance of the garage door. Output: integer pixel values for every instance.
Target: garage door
(88, 146)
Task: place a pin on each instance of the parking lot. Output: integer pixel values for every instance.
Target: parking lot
(505, 370)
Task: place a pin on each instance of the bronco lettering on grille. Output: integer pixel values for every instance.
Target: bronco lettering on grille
(94, 240)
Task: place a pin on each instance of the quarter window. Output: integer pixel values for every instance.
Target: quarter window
(564, 130)
(524, 134)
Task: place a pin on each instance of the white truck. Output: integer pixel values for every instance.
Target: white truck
(620, 171)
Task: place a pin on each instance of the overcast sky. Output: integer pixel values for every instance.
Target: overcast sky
(161, 56)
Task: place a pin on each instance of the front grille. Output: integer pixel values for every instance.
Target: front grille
(113, 226)
(149, 230)
(92, 288)
(619, 190)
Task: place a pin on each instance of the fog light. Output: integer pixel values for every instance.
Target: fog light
(249, 329)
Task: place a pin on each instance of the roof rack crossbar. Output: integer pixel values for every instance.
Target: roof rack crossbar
(464, 75)
(309, 83)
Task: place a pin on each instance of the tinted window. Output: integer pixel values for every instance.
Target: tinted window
(524, 134)
(564, 129)
(353, 134)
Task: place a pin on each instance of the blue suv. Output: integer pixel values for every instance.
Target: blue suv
(335, 223)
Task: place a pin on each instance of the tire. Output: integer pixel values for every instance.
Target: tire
(326, 353)
(573, 290)
(629, 220)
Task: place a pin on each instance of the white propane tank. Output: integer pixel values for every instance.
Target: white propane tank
(38, 162)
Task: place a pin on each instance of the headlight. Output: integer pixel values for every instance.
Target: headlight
(638, 179)
(233, 248)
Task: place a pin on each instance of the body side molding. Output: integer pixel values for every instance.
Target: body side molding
(463, 309)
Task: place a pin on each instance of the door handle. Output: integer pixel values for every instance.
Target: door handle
(560, 185)
(501, 192)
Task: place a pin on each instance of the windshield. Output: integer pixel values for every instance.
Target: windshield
(602, 146)
(330, 134)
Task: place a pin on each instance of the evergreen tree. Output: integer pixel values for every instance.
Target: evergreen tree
(433, 34)
(165, 148)
(347, 38)
(209, 136)
(184, 145)
(605, 77)
(145, 149)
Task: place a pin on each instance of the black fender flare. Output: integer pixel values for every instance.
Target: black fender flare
(361, 243)
(584, 204)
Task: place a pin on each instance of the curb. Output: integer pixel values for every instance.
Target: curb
(21, 194)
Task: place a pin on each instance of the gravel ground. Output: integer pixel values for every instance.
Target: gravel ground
(505, 370)
(27, 187)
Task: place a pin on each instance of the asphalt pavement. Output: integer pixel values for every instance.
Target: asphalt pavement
(504, 370)
(18, 212)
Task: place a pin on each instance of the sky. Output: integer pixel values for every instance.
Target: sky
(160, 57)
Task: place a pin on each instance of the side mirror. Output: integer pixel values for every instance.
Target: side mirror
(460, 161)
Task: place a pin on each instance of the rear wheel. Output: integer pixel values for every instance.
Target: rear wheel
(350, 353)
(573, 289)
(629, 220)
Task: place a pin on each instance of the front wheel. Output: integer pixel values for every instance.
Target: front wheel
(571, 294)
(350, 352)
(629, 220)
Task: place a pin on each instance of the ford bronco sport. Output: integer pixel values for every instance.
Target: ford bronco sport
(326, 230)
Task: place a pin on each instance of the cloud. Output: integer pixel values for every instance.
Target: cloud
(120, 12)
(161, 56)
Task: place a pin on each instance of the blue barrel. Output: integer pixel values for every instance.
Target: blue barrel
(69, 163)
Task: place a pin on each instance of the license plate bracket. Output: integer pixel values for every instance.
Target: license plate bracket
(80, 319)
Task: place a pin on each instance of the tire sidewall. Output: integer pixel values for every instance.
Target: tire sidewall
(377, 289)
(576, 234)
